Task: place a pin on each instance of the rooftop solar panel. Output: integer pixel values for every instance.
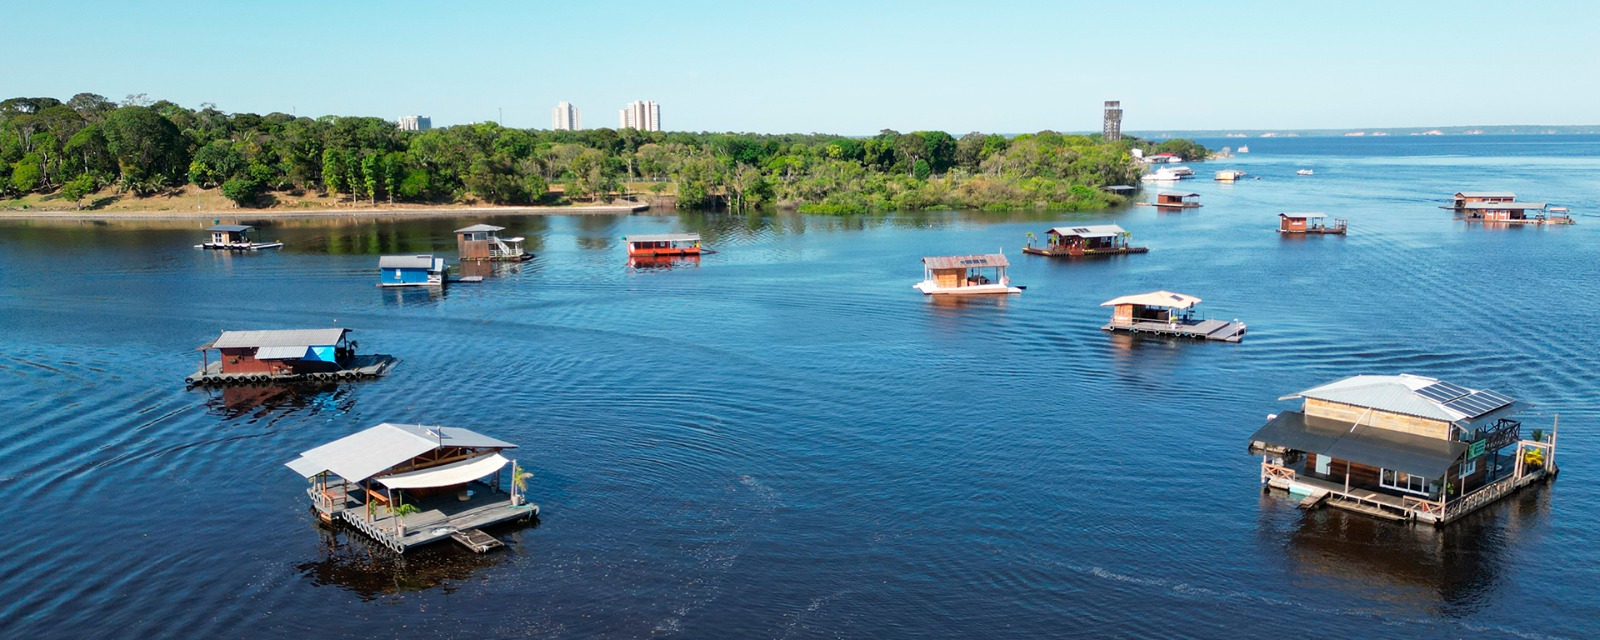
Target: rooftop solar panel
(1478, 403)
(1443, 392)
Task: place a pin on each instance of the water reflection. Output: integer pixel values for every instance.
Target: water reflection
(661, 263)
(412, 296)
(261, 400)
(350, 561)
(487, 269)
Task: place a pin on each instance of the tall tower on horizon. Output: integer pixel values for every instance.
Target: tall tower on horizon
(565, 117)
(644, 115)
(1112, 131)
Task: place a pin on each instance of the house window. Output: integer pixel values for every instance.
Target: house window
(1406, 482)
(1468, 468)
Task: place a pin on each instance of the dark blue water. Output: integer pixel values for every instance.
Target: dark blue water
(786, 440)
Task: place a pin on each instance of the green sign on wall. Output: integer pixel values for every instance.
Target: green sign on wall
(1476, 449)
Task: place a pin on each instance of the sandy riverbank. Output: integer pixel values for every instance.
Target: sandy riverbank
(270, 214)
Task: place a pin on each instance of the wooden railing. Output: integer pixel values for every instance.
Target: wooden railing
(1429, 507)
(1270, 471)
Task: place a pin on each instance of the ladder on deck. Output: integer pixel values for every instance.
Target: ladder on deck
(477, 540)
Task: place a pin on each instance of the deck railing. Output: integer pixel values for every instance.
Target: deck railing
(1271, 471)
(1418, 505)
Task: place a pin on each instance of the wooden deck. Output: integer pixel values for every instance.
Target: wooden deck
(361, 367)
(1044, 251)
(1389, 506)
(1220, 330)
(440, 518)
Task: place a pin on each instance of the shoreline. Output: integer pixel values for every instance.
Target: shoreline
(284, 214)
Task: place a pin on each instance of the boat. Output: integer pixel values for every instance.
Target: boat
(1304, 172)
(1160, 175)
(482, 243)
(1170, 200)
(966, 275)
(1228, 175)
(1182, 171)
(1088, 240)
(1244, 149)
(1168, 314)
(664, 244)
(235, 237)
(1310, 223)
(285, 356)
(423, 270)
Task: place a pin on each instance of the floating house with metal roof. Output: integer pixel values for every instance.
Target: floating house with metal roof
(965, 275)
(294, 355)
(1168, 314)
(1086, 240)
(407, 485)
(235, 237)
(1514, 213)
(1401, 447)
(647, 245)
(1310, 224)
(1228, 175)
(1173, 200)
(1463, 198)
(482, 243)
(422, 270)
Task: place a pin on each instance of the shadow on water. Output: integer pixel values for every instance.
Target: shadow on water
(260, 401)
(412, 296)
(350, 561)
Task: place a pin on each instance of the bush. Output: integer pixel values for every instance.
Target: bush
(241, 191)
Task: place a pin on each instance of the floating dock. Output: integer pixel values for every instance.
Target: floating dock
(360, 367)
(439, 518)
(1221, 330)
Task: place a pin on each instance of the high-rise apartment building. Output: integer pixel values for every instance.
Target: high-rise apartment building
(565, 117)
(415, 123)
(1112, 131)
(644, 115)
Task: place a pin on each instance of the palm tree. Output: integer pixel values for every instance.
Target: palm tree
(519, 480)
(400, 511)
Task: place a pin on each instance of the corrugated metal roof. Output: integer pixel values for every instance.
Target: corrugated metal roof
(1155, 299)
(1090, 231)
(1385, 448)
(1486, 194)
(967, 262)
(480, 227)
(663, 237)
(1394, 394)
(231, 227)
(423, 261)
(367, 453)
(1515, 206)
(292, 352)
(283, 338)
(1304, 215)
(1180, 195)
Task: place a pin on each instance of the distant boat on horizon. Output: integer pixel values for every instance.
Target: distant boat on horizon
(1304, 172)
(1244, 149)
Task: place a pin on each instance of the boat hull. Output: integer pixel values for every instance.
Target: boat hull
(929, 288)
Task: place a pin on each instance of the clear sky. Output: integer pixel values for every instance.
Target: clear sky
(849, 67)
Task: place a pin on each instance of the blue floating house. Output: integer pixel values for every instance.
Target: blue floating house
(411, 271)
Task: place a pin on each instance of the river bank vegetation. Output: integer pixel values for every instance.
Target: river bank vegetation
(89, 149)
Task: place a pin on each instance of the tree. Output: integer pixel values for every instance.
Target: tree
(76, 188)
(394, 171)
(333, 172)
(25, 174)
(921, 170)
(147, 147)
(371, 176)
(241, 191)
(215, 163)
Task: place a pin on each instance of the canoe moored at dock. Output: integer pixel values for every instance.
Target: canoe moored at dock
(1169, 314)
(423, 270)
(283, 356)
(482, 243)
(966, 275)
(1087, 240)
(235, 237)
(663, 244)
(1310, 224)
(1172, 200)
(407, 485)
(1402, 447)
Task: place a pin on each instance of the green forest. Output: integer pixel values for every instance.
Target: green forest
(141, 148)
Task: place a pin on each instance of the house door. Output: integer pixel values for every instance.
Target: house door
(1324, 464)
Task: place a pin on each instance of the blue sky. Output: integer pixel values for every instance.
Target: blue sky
(836, 67)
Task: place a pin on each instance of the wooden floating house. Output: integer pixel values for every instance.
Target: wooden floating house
(295, 355)
(1515, 213)
(1169, 314)
(1173, 200)
(1310, 224)
(1463, 198)
(1088, 240)
(1228, 175)
(235, 237)
(407, 485)
(482, 243)
(663, 245)
(966, 275)
(1401, 447)
(422, 270)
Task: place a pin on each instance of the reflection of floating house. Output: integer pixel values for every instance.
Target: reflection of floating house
(663, 244)
(1170, 314)
(411, 271)
(1228, 175)
(1464, 198)
(1515, 213)
(1090, 240)
(235, 237)
(966, 275)
(1401, 447)
(407, 485)
(1173, 200)
(1310, 223)
(286, 356)
(482, 242)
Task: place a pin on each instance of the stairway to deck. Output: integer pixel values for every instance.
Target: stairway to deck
(477, 540)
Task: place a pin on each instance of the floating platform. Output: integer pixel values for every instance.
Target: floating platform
(1084, 253)
(360, 367)
(1220, 330)
(239, 246)
(440, 518)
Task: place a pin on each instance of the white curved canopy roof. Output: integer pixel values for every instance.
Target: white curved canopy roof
(446, 475)
(1155, 299)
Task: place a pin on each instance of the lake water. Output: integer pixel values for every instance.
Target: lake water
(785, 440)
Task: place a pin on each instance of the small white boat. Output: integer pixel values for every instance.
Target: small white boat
(966, 275)
(1182, 171)
(1160, 175)
(1304, 172)
(1244, 149)
(235, 237)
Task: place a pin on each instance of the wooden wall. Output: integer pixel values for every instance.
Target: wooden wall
(949, 277)
(472, 249)
(244, 361)
(1291, 224)
(1381, 419)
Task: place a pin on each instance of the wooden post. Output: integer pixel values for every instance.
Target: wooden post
(1550, 458)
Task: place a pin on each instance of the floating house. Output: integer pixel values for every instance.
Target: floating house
(235, 237)
(966, 275)
(482, 243)
(313, 355)
(1515, 213)
(1162, 158)
(1401, 447)
(422, 270)
(408, 485)
(1464, 198)
(1160, 175)
(1089, 240)
(1228, 175)
(1169, 314)
(1173, 200)
(1310, 223)
(664, 244)
(1181, 171)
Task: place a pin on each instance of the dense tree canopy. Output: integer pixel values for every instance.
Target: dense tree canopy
(143, 147)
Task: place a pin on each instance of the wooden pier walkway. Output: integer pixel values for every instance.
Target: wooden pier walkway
(440, 518)
(1220, 330)
(361, 367)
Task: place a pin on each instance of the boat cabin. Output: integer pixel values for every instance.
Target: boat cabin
(406, 485)
(1229, 175)
(1170, 314)
(423, 270)
(1464, 198)
(235, 237)
(663, 244)
(966, 275)
(1087, 240)
(1401, 447)
(1310, 223)
(1513, 213)
(482, 243)
(1172, 200)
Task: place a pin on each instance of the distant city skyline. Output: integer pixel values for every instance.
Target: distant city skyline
(566, 117)
(414, 123)
(644, 115)
(996, 67)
